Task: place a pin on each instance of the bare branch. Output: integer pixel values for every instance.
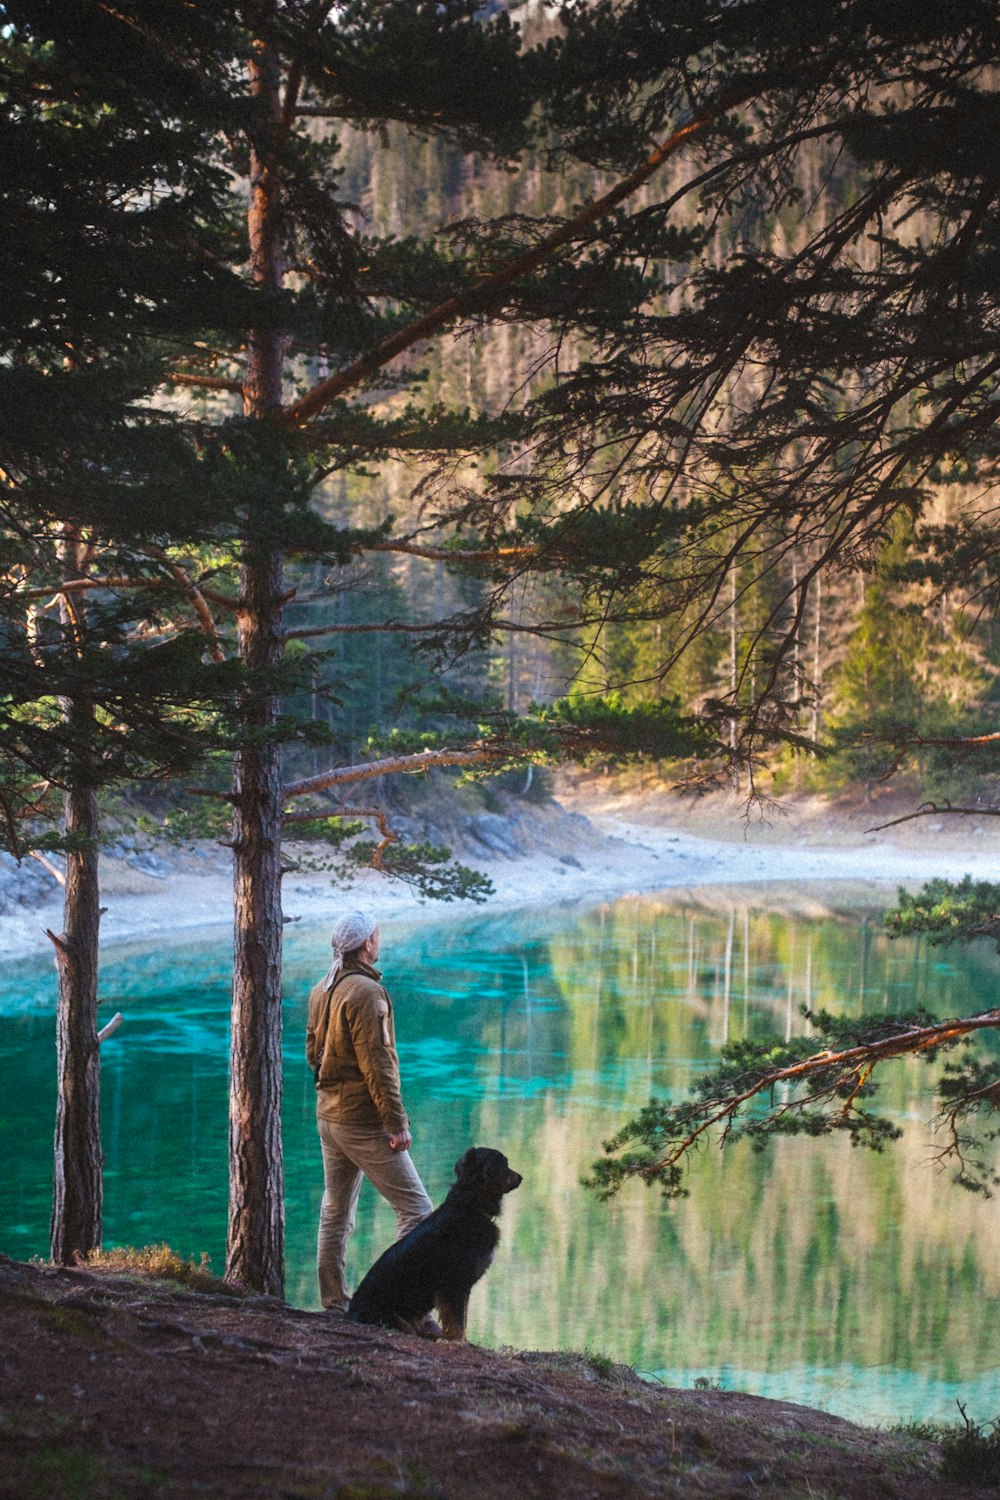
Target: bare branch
(379, 815)
(79, 585)
(198, 601)
(454, 554)
(207, 382)
(929, 809)
(57, 875)
(310, 632)
(123, 581)
(424, 760)
(61, 945)
(323, 112)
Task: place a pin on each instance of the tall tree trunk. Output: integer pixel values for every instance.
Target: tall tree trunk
(77, 1186)
(256, 1250)
(734, 678)
(78, 1181)
(255, 1255)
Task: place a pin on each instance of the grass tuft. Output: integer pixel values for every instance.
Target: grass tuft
(161, 1263)
(970, 1454)
(601, 1364)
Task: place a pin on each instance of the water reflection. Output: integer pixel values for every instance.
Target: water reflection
(862, 1283)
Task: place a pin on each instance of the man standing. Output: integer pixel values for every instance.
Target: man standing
(363, 1128)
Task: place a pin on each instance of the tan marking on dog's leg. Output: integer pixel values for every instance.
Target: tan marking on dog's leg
(453, 1319)
(452, 1322)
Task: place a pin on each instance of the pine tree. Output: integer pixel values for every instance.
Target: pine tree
(104, 134)
(330, 294)
(801, 392)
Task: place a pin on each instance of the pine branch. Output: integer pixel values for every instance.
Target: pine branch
(198, 601)
(454, 554)
(123, 581)
(544, 629)
(668, 1134)
(379, 815)
(51, 869)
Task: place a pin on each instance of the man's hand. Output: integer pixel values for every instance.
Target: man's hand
(400, 1140)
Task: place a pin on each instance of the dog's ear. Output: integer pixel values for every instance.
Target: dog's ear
(463, 1161)
(495, 1171)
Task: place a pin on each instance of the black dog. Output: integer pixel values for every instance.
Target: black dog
(438, 1263)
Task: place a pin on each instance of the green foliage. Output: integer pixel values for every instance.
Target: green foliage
(588, 728)
(581, 728)
(811, 1085)
(602, 1365)
(813, 398)
(652, 1146)
(823, 1083)
(948, 912)
(608, 506)
(426, 867)
(427, 67)
(150, 717)
(330, 830)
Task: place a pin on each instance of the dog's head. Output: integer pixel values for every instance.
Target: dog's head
(484, 1176)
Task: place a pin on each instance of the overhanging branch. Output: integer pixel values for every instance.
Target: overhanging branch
(929, 809)
(394, 765)
(490, 287)
(842, 1074)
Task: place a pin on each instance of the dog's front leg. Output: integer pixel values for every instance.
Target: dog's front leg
(452, 1314)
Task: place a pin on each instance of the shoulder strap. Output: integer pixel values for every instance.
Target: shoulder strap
(321, 1046)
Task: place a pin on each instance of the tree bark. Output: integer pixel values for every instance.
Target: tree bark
(78, 1168)
(255, 1250)
(255, 1255)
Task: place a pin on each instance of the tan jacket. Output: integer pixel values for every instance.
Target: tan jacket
(351, 1047)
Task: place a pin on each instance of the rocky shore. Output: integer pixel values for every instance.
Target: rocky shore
(592, 843)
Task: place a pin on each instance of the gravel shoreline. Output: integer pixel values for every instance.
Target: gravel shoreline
(591, 850)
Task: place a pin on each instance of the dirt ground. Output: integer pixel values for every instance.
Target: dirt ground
(892, 814)
(119, 1387)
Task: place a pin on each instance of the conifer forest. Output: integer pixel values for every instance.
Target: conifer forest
(397, 387)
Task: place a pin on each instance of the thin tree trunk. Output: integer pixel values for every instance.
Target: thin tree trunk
(255, 1252)
(733, 672)
(817, 662)
(796, 661)
(255, 1255)
(78, 1167)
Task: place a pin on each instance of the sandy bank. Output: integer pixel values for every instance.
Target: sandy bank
(612, 845)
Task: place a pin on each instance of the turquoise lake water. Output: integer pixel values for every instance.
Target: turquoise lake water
(864, 1285)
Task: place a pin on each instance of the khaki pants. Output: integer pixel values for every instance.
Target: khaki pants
(350, 1153)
